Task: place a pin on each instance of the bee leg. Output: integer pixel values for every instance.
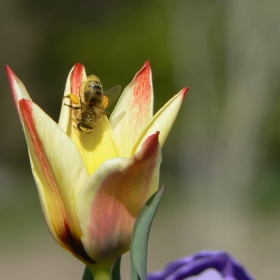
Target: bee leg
(73, 107)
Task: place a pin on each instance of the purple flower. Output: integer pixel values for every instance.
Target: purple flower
(204, 265)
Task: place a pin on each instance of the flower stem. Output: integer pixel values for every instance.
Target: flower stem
(101, 272)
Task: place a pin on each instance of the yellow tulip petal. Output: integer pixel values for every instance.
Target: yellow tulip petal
(111, 199)
(133, 111)
(59, 173)
(163, 120)
(97, 147)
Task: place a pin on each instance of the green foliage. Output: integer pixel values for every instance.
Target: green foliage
(140, 236)
(116, 272)
(87, 274)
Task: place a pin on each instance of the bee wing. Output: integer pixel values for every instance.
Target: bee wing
(110, 96)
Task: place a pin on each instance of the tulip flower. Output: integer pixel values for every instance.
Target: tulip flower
(93, 186)
(205, 265)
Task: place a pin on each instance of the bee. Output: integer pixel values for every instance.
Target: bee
(93, 103)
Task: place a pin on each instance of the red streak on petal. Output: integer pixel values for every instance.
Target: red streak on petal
(77, 78)
(184, 91)
(140, 104)
(149, 147)
(26, 110)
(120, 198)
(142, 89)
(12, 79)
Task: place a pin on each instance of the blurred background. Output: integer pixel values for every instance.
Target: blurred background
(221, 161)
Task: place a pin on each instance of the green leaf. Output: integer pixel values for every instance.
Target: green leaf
(140, 236)
(87, 274)
(116, 272)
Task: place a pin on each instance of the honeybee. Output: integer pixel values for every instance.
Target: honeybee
(93, 103)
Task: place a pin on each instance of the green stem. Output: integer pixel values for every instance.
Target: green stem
(101, 272)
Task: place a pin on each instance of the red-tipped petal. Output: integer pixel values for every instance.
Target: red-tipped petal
(77, 78)
(74, 80)
(163, 120)
(18, 89)
(59, 174)
(133, 111)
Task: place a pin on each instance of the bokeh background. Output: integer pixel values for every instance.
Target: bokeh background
(221, 161)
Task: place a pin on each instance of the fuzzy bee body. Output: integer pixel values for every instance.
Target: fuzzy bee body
(93, 103)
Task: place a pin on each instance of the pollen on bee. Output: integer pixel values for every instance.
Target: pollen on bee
(105, 101)
(73, 98)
